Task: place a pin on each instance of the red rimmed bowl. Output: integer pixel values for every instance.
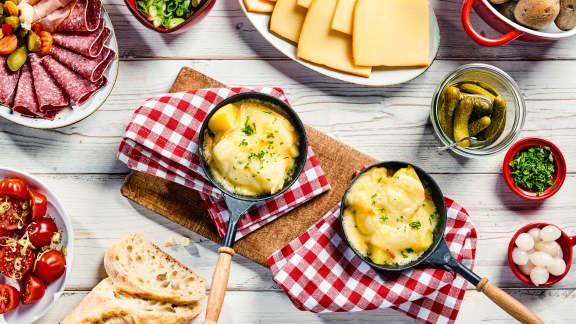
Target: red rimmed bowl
(510, 29)
(198, 15)
(566, 243)
(559, 173)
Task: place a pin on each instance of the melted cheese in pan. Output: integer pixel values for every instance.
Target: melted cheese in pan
(390, 218)
(252, 149)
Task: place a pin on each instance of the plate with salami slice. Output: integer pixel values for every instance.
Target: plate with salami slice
(61, 84)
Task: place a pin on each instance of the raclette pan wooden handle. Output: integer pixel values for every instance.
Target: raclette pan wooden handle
(508, 303)
(219, 285)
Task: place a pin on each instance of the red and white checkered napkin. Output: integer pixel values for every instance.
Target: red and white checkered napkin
(162, 140)
(320, 273)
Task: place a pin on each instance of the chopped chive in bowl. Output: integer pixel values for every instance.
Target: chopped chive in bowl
(533, 168)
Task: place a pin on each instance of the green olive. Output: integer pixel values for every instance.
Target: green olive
(14, 21)
(17, 58)
(34, 42)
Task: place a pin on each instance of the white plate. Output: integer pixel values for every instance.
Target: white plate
(381, 76)
(31, 313)
(77, 113)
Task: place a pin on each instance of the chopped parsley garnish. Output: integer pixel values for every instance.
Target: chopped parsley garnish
(268, 112)
(379, 179)
(403, 254)
(415, 225)
(533, 168)
(431, 218)
(270, 135)
(374, 195)
(259, 155)
(383, 218)
(409, 250)
(248, 128)
(243, 143)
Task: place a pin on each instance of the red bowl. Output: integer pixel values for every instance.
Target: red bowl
(559, 174)
(566, 243)
(510, 29)
(198, 15)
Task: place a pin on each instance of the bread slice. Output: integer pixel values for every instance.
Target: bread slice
(105, 305)
(139, 267)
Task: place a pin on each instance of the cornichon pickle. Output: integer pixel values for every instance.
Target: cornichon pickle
(498, 118)
(474, 89)
(483, 85)
(461, 118)
(34, 42)
(478, 125)
(451, 97)
(14, 21)
(17, 58)
(482, 106)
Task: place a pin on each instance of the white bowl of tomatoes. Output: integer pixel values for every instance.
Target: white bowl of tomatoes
(36, 247)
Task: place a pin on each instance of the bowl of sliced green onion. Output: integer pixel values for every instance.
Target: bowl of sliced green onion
(169, 16)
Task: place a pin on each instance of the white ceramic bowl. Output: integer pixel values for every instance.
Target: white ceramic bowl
(25, 314)
(381, 76)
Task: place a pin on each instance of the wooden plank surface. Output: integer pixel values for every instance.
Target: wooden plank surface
(79, 161)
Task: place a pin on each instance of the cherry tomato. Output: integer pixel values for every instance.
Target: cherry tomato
(41, 231)
(13, 212)
(9, 298)
(38, 203)
(50, 265)
(37, 28)
(6, 29)
(14, 188)
(32, 290)
(15, 261)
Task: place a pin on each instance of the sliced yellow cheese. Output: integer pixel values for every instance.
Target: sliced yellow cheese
(320, 44)
(287, 19)
(344, 16)
(304, 3)
(391, 33)
(260, 6)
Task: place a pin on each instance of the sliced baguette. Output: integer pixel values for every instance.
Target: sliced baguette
(105, 305)
(137, 266)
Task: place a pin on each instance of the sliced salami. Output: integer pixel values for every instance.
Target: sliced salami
(49, 95)
(85, 16)
(78, 88)
(88, 67)
(88, 44)
(8, 83)
(25, 100)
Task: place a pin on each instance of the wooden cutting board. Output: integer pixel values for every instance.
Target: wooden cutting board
(183, 205)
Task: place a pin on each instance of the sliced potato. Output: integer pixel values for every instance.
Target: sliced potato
(224, 119)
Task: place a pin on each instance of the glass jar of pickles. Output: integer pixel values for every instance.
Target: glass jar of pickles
(480, 101)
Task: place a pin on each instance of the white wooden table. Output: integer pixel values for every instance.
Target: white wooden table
(79, 162)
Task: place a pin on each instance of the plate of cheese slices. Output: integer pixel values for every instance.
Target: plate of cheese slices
(368, 42)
